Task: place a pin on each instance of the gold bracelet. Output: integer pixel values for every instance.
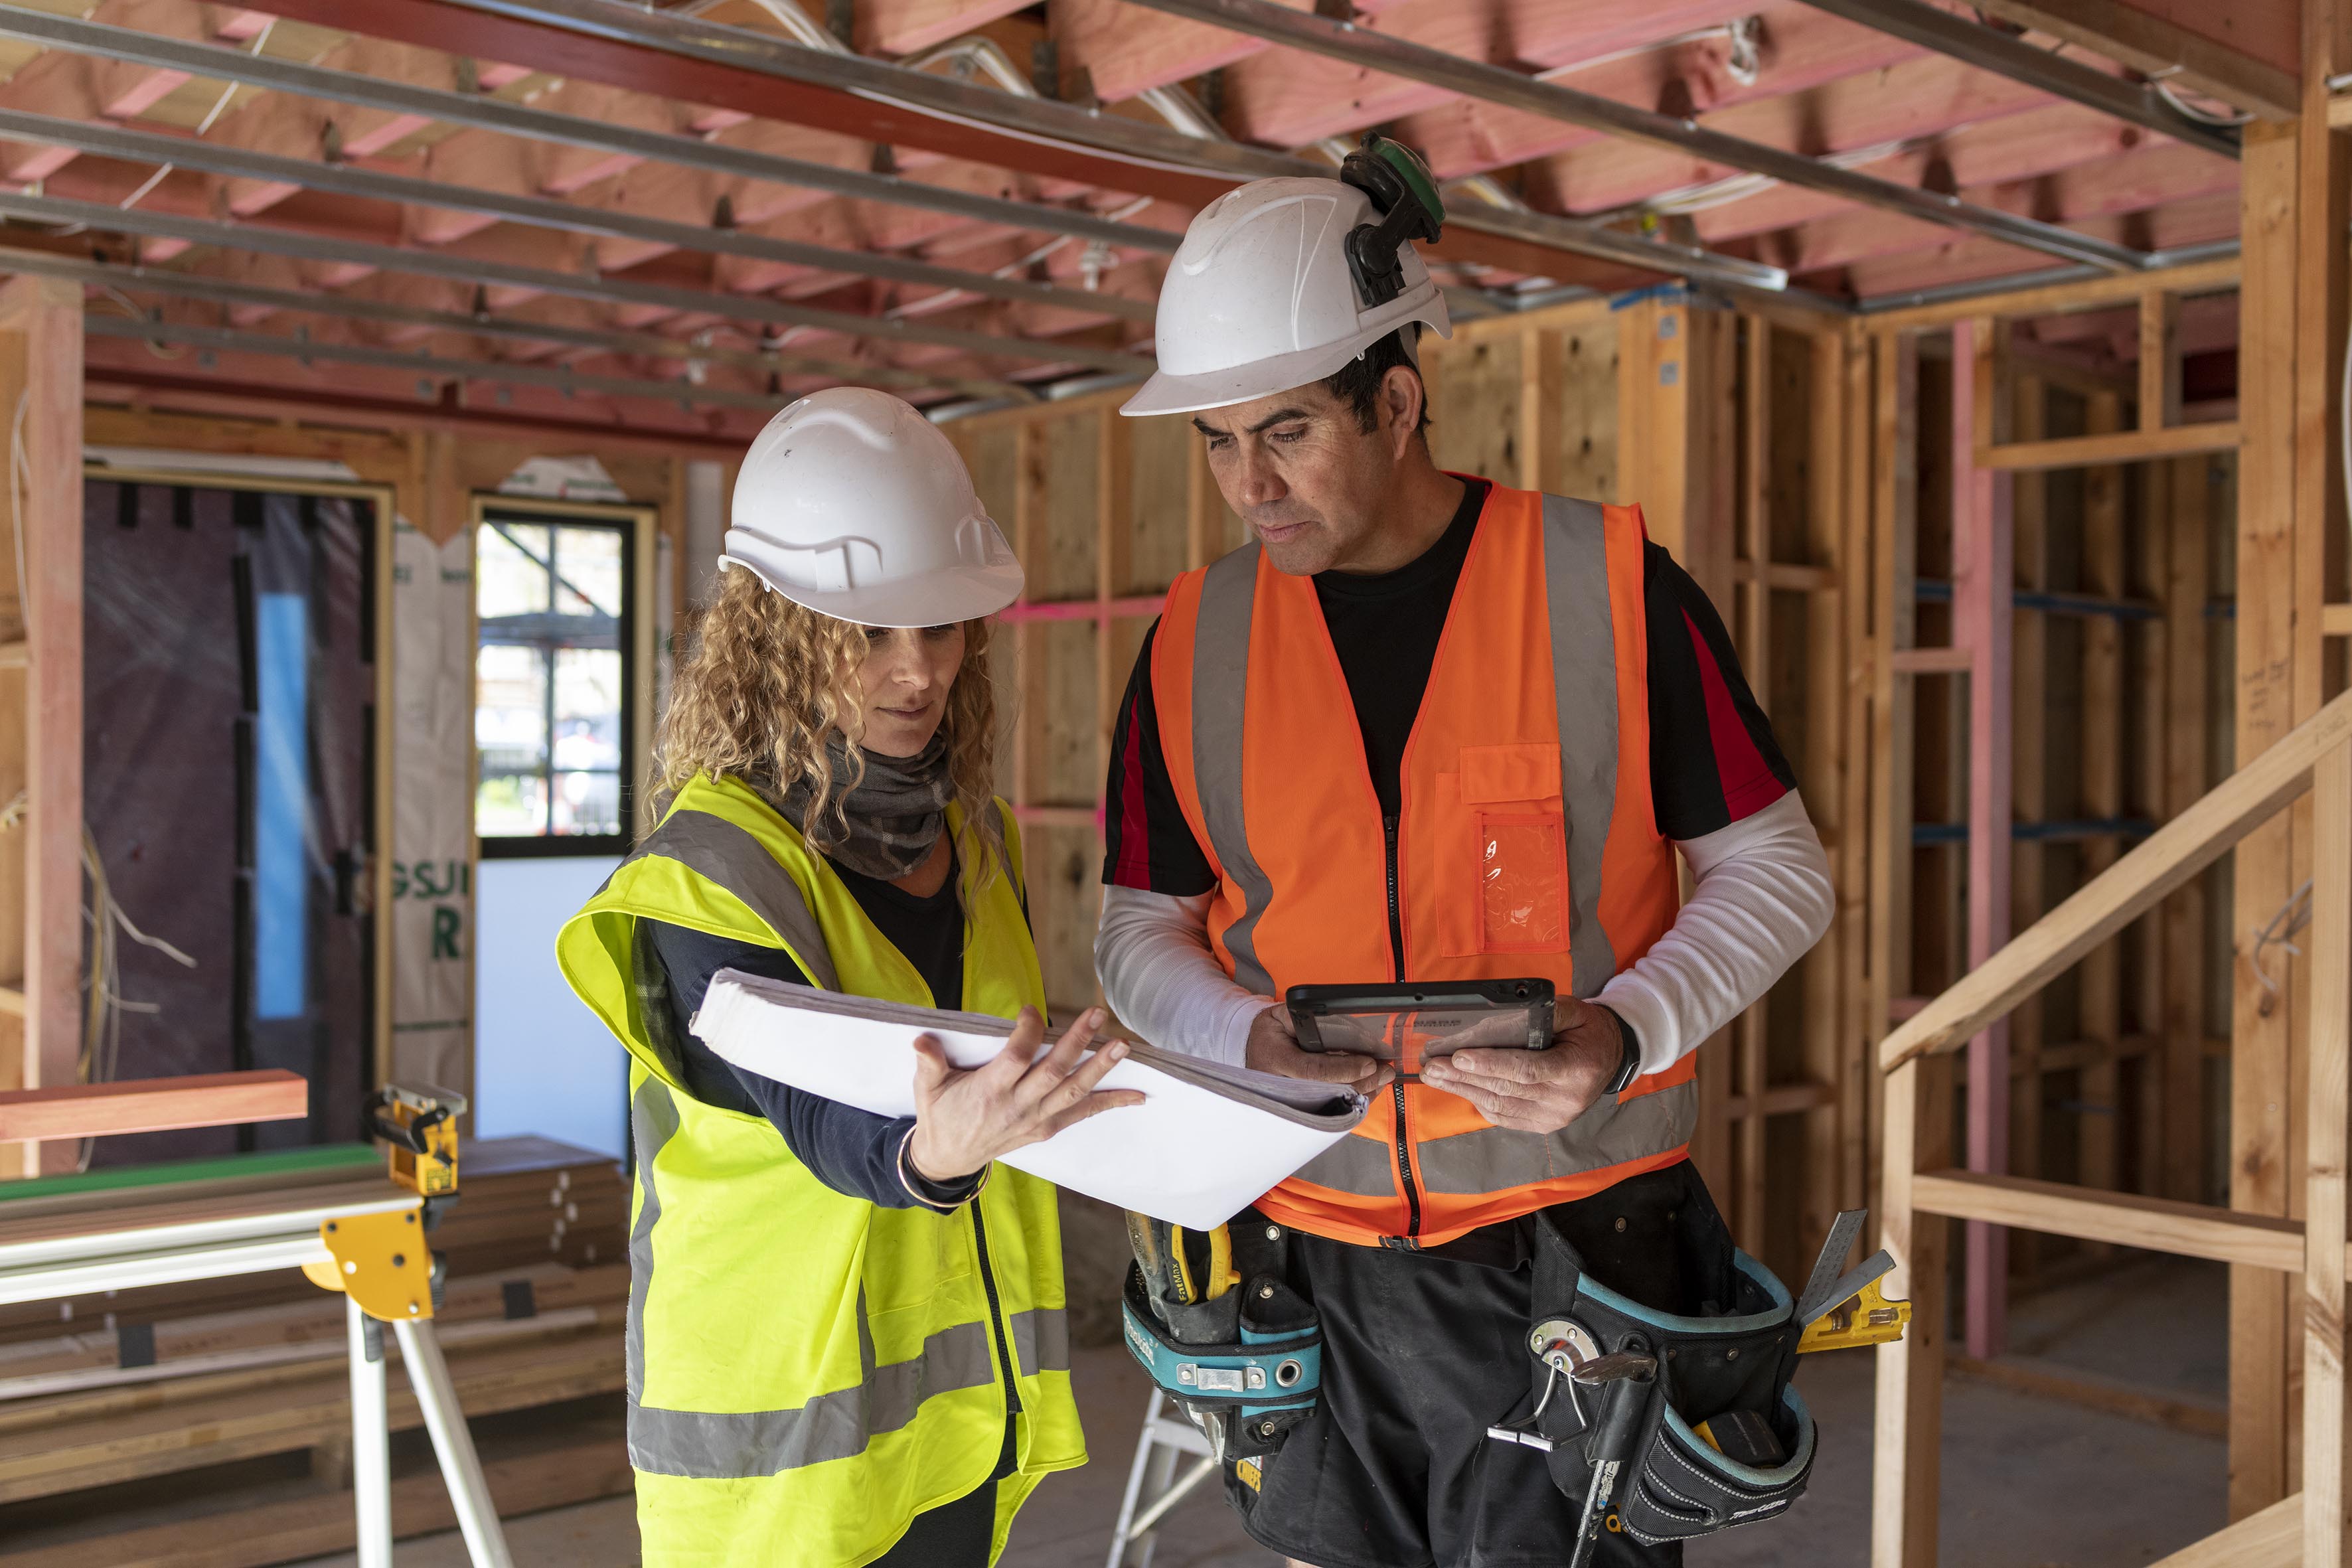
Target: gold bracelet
(906, 1180)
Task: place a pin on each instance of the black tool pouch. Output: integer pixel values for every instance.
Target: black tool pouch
(1246, 1365)
(1726, 1367)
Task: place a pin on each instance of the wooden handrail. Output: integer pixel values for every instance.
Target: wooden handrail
(2122, 893)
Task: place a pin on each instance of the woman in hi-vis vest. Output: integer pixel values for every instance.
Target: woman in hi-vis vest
(847, 1343)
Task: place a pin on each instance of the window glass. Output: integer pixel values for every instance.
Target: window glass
(552, 678)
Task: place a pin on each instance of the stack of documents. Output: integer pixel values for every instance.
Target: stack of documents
(1206, 1141)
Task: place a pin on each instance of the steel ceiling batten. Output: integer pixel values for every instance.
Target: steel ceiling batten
(540, 212)
(499, 274)
(1377, 51)
(481, 112)
(2004, 54)
(1194, 169)
(231, 341)
(229, 292)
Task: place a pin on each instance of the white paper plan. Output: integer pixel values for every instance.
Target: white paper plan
(1207, 1141)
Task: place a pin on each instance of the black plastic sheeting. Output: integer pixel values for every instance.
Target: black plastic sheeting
(228, 726)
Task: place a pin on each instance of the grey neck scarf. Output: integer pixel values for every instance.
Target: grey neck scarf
(895, 814)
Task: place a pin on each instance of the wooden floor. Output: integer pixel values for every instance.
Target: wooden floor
(2027, 1480)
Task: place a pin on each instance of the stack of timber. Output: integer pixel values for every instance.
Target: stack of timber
(209, 1423)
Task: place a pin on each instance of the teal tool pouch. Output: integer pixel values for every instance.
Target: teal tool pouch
(1246, 1365)
(1725, 1373)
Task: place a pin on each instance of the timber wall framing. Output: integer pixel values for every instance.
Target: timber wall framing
(434, 469)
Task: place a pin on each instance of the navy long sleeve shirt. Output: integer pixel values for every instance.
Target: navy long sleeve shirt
(850, 1151)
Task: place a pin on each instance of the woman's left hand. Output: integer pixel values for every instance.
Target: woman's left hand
(964, 1119)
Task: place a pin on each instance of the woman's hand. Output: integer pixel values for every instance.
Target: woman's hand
(964, 1119)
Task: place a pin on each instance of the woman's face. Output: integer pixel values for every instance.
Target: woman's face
(905, 682)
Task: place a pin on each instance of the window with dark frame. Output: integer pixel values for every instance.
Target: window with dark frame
(553, 672)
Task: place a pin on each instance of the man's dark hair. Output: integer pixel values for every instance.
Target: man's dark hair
(1357, 384)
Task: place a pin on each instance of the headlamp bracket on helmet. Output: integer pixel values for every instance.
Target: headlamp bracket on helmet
(1405, 194)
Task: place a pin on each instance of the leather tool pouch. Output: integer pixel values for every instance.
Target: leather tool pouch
(1245, 1365)
(1729, 1366)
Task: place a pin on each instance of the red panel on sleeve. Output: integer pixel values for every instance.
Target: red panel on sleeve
(1749, 785)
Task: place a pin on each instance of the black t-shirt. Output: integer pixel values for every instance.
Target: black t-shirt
(1385, 628)
(848, 1150)
(1713, 759)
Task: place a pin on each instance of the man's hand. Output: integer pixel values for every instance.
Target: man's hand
(1274, 1047)
(1538, 1091)
(1020, 1097)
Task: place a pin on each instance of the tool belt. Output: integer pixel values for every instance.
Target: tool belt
(1210, 1315)
(1709, 1436)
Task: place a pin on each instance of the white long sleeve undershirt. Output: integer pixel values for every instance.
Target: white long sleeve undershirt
(1763, 897)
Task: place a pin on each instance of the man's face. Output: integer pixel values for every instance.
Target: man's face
(1307, 478)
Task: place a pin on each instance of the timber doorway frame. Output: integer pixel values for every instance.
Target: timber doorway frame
(380, 731)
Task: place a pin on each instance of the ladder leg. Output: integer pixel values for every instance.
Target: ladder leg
(371, 1441)
(428, 1374)
(1134, 1485)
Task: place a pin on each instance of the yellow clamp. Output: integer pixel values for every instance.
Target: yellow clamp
(381, 1261)
(1865, 1319)
(419, 1125)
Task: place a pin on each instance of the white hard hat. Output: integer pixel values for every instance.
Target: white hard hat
(1260, 297)
(854, 504)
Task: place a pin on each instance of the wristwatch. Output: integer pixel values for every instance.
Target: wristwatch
(1629, 1066)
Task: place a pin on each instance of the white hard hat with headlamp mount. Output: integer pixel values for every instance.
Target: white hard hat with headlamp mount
(854, 504)
(1282, 282)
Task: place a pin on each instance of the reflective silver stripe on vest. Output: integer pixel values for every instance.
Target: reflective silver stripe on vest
(714, 847)
(653, 1122)
(1363, 1166)
(1041, 1339)
(748, 1444)
(1584, 689)
(1221, 636)
(1492, 1159)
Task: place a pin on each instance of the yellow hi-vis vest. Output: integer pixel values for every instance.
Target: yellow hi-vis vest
(806, 1371)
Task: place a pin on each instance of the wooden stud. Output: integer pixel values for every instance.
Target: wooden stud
(2159, 361)
(2322, 278)
(1984, 579)
(1906, 1439)
(1205, 509)
(42, 320)
(1540, 376)
(1824, 665)
(1858, 1028)
(2327, 1497)
(2260, 876)
(1028, 639)
(2030, 706)
(2099, 978)
(2184, 732)
(1895, 615)
(1752, 616)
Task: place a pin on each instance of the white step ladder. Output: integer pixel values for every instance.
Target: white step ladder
(1152, 1485)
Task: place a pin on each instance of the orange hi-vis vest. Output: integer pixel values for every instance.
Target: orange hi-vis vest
(1524, 844)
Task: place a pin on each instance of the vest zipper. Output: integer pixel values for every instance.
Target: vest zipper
(995, 1317)
(1396, 964)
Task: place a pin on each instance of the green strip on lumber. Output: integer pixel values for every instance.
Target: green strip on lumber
(263, 1162)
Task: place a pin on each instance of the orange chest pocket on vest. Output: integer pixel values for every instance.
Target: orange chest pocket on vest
(1502, 853)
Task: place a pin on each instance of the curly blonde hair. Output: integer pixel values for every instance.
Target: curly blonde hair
(768, 683)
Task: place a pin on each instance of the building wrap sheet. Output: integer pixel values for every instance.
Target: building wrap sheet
(431, 811)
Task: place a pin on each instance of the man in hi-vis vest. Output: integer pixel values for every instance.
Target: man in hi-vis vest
(1426, 727)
